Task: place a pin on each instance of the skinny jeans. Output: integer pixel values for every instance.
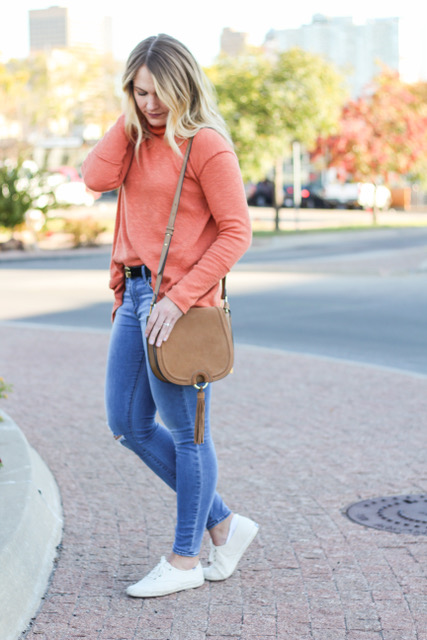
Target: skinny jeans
(133, 398)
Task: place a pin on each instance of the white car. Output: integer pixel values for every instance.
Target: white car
(70, 191)
(357, 194)
(74, 193)
(371, 195)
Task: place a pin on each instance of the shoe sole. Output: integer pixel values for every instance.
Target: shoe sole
(250, 539)
(166, 592)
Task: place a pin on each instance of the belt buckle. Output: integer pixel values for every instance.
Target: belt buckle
(128, 272)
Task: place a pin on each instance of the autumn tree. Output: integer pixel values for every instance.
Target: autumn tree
(382, 134)
(268, 104)
(418, 172)
(59, 92)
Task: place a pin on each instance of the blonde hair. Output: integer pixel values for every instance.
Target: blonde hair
(180, 84)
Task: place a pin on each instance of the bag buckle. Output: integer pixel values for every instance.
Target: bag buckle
(201, 380)
(200, 387)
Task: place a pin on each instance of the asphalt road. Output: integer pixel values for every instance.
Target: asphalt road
(360, 296)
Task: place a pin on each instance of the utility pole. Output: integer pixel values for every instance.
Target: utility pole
(278, 191)
(296, 164)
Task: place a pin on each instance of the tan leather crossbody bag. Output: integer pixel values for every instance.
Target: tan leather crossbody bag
(199, 349)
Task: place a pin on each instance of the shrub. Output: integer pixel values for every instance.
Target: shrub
(22, 188)
(85, 231)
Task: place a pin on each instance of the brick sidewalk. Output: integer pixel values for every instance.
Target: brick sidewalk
(298, 440)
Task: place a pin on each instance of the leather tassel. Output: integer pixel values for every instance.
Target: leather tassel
(199, 426)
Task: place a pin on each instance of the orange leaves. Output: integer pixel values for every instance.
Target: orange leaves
(381, 133)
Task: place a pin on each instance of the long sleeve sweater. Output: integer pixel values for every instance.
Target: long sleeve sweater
(212, 228)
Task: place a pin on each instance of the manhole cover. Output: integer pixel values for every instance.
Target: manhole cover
(398, 514)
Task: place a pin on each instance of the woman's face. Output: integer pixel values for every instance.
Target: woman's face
(155, 112)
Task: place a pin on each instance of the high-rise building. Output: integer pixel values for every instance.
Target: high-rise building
(60, 27)
(357, 50)
(233, 43)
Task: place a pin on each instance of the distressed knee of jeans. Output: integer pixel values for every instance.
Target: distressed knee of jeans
(122, 440)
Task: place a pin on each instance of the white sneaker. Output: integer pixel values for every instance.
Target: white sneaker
(164, 579)
(225, 558)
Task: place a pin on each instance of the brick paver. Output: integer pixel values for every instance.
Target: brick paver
(298, 438)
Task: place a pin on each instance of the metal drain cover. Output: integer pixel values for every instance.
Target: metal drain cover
(398, 514)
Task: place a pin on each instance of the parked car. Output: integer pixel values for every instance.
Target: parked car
(371, 195)
(356, 195)
(70, 189)
(310, 199)
(261, 194)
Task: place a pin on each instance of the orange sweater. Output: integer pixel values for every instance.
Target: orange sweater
(212, 228)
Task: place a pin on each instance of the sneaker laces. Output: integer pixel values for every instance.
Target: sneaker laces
(212, 553)
(159, 570)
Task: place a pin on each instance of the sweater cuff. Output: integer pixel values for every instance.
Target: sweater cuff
(180, 301)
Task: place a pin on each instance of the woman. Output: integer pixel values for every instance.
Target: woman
(167, 101)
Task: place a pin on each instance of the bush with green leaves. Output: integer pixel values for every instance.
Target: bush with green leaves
(23, 187)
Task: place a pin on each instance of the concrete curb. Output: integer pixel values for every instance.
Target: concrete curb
(30, 529)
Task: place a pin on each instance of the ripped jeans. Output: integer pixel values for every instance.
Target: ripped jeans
(134, 395)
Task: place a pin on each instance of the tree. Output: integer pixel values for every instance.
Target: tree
(268, 104)
(244, 101)
(381, 135)
(418, 172)
(57, 93)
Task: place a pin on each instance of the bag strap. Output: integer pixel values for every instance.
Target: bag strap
(170, 227)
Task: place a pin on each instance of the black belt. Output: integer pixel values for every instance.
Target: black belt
(137, 272)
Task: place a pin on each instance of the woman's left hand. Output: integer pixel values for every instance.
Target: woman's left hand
(162, 319)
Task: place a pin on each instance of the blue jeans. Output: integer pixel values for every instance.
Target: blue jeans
(134, 395)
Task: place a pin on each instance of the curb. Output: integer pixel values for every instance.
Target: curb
(58, 253)
(30, 529)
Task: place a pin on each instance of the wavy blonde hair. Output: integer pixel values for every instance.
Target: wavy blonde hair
(180, 84)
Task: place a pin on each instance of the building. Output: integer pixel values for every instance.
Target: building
(60, 27)
(233, 43)
(357, 50)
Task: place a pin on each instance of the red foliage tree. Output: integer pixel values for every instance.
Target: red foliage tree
(382, 134)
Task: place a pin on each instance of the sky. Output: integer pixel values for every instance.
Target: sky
(196, 23)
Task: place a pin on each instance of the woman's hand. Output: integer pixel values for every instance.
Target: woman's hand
(162, 319)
